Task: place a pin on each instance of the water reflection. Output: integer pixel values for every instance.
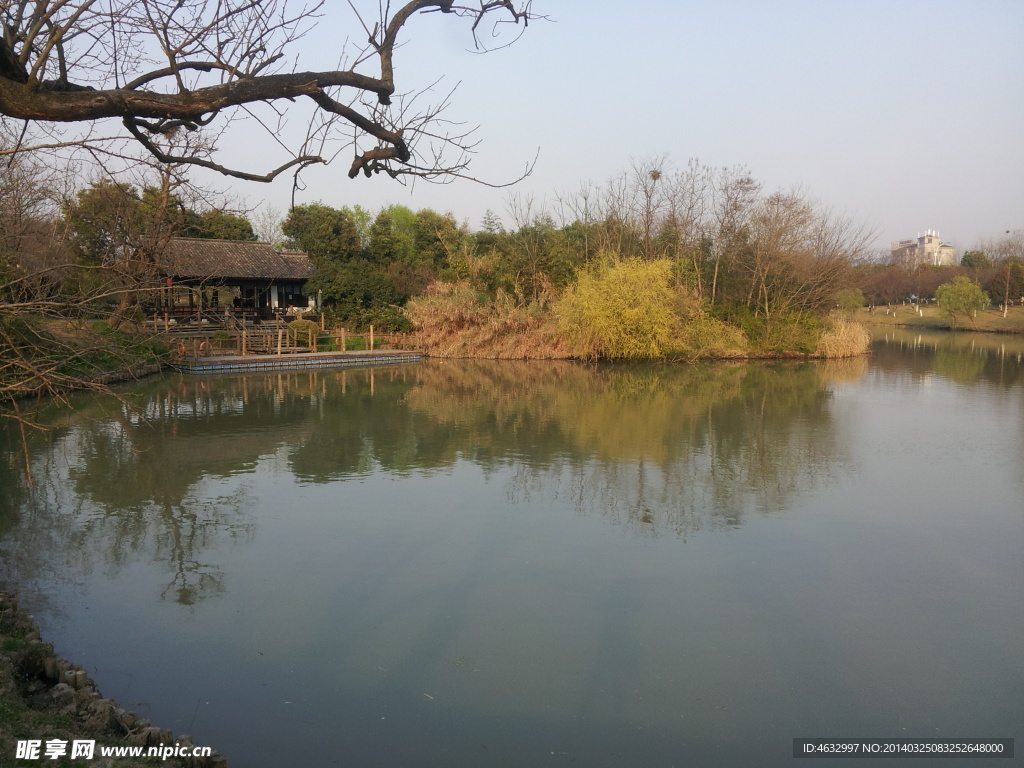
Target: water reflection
(656, 449)
(480, 563)
(966, 358)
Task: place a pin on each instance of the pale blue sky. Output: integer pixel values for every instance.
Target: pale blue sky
(907, 115)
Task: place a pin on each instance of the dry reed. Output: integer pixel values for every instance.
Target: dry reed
(843, 338)
(455, 320)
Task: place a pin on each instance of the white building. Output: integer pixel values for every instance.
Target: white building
(926, 249)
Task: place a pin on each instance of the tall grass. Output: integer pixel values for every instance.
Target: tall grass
(455, 320)
(842, 338)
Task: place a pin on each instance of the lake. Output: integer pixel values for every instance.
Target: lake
(470, 563)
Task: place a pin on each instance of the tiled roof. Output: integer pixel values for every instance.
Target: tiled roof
(188, 257)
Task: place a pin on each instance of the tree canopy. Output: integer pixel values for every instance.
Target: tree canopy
(961, 296)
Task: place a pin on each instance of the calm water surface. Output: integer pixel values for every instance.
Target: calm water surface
(509, 564)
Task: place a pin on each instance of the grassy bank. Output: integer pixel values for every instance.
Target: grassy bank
(932, 318)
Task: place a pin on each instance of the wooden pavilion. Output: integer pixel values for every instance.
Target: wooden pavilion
(219, 279)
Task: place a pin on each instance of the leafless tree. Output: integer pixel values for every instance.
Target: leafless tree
(160, 67)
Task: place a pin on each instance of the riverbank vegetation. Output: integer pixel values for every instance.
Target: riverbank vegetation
(660, 263)
(985, 292)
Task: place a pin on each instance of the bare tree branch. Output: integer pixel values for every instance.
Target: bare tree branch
(160, 66)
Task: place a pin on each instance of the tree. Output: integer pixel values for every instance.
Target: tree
(975, 260)
(105, 222)
(1007, 279)
(961, 296)
(218, 224)
(850, 299)
(163, 66)
(327, 234)
(393, 236)
(1008, 282)
(359, 293)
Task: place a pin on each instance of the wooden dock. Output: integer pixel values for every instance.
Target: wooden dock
(287, 362)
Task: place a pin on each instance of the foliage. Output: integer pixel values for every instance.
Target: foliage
(106, 222)
(623, 310)
(704, 336)
(1007, 282)
(392, 236)
(357, 293)
(975, 260)
(304, 330)
(327, 234)
(218, 224)
(850, 299)
(961, 296)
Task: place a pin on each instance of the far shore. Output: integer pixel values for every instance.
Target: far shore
(933, 319)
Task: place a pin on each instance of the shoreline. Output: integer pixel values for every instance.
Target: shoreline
(44, 697)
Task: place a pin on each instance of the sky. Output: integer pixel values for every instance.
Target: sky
(904, 115)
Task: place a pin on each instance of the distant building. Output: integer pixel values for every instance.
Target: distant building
(926, 249)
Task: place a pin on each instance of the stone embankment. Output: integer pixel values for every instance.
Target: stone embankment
(39, 692)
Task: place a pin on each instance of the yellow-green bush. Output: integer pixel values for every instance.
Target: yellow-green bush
(622, 310)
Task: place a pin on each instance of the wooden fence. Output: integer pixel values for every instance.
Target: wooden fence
(284, 340)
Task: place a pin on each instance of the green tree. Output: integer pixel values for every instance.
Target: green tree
(437, 235)
(325, 233)
(975, 260)
(217, 224)
(392, 236)
(850, 299)
(104, 222)
(359, 294)
(961, 296)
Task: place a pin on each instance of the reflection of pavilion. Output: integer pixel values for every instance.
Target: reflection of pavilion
(232, 278)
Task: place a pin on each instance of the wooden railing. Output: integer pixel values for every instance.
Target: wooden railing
(281, 339)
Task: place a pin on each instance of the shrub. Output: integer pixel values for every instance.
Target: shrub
(623, 310)
(302, 330)
(704, 336)
(850, 299)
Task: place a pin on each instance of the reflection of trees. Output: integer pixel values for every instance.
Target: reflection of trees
(363, 423)
(665, 447)
(13, 493)
(117, 483)
(652, 447)
(966, 358)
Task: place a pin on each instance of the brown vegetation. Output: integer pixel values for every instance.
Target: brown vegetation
(843, 338)
(455, 320)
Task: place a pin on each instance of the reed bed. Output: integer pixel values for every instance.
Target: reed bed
(455, 320)
(843, 338)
